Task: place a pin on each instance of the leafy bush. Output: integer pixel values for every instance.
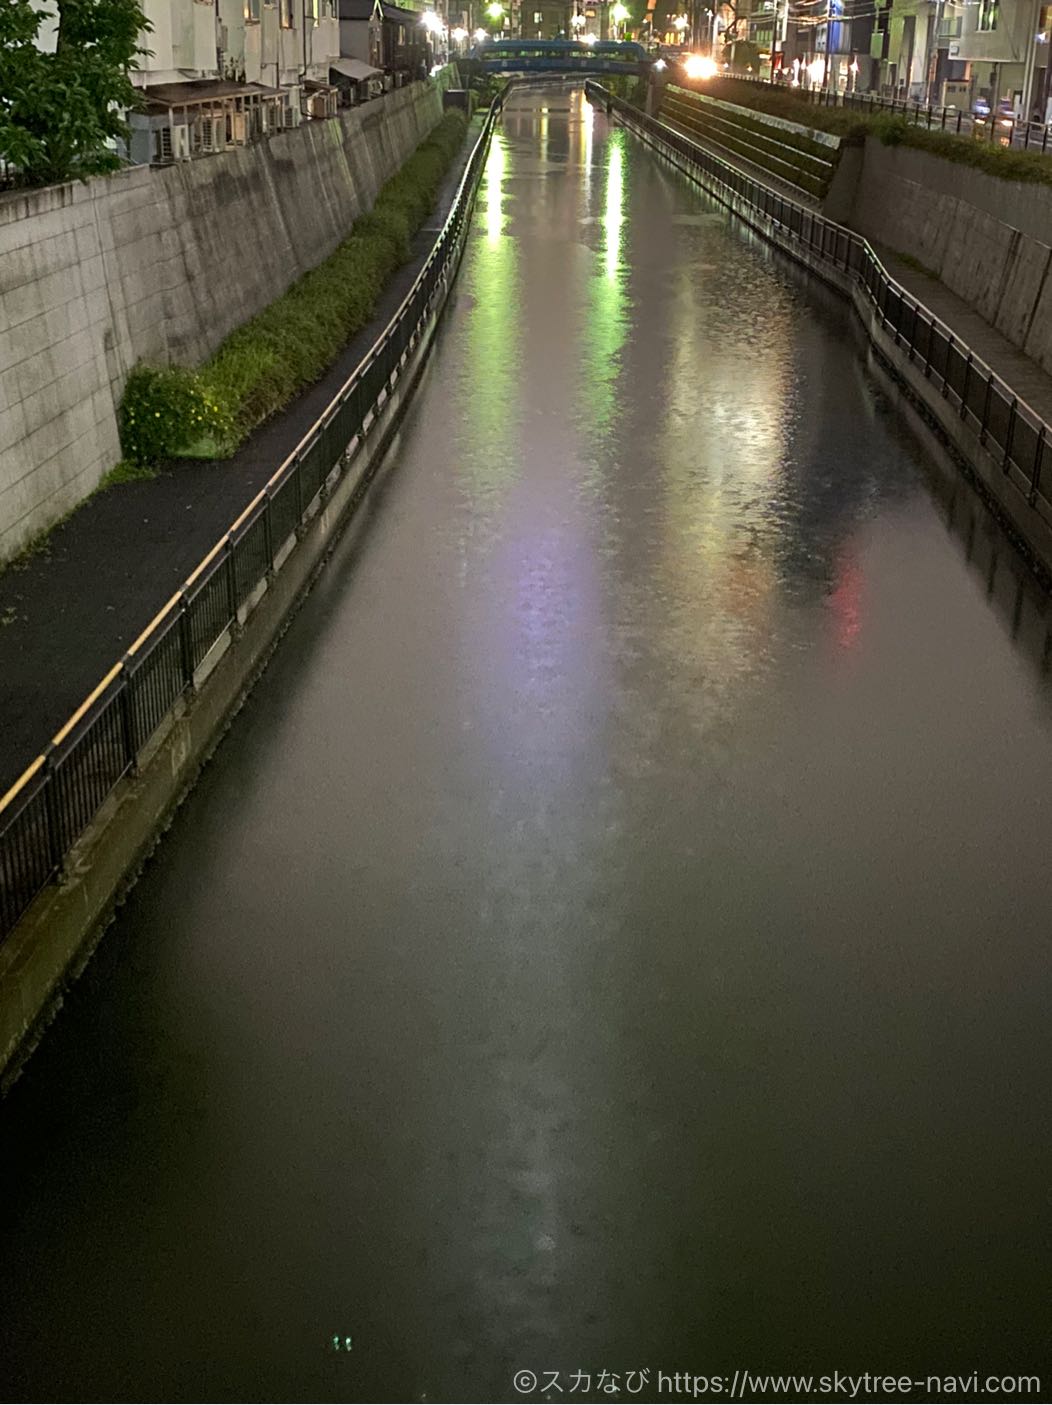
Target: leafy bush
(164, 412)
(259, 368)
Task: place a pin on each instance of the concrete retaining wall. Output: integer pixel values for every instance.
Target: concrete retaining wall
(160, 265)
(988, 240)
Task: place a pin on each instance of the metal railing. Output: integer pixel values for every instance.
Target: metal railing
(1011, 431)
(1025, 136)
(48, 809)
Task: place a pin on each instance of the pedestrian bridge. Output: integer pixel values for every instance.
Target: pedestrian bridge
(559, 56)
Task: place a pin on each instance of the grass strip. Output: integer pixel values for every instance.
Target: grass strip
(1007, 163)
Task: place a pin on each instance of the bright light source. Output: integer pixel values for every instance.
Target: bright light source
(619, 13)
(660, 63)
(698, 66)
(816, 70)
(431, 22)
(680, 23)
(495, 10)
(480, 35)
(589, 38)
(458, 35)
(577, 21)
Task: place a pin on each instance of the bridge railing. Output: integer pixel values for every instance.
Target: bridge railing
(49, 808)
(1011, 430)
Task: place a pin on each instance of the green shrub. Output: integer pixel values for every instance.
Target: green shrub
(259, 368)
(164, 412)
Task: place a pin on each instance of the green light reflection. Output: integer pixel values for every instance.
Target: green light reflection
(491, 404)
(607, 320)
(615, 195)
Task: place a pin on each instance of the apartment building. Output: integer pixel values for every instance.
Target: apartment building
(956, 53)
(223, 72)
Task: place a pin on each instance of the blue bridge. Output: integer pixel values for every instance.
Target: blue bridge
(560, 56)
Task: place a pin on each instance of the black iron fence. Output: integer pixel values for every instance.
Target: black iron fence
(1014, 434)
(52, 804)
(992, 126)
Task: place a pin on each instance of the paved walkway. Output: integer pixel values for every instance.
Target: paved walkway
(1023, 374)
(68, 612)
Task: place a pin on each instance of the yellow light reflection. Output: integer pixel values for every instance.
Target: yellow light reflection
(587, 128)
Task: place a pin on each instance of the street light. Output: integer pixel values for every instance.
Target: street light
(619, 13)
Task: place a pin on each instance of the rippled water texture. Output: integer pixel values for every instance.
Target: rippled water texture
(615, 932)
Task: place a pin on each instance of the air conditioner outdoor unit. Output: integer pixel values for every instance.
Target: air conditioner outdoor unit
(172, 144)
(212, 133)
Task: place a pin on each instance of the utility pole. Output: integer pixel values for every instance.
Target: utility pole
(933, 56)
(1030, 62)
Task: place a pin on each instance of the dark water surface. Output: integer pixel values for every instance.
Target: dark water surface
(616, 932)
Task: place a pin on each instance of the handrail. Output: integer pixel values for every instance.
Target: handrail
(102, 740)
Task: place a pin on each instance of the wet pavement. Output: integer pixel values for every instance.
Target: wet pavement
(614, 934)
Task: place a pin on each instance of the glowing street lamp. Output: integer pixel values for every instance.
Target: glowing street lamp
(431, 22)
(480, 35)
(680, 23)
(577, 21)
(495, 11)
(698, 66)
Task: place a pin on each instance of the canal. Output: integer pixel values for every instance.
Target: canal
(615, 933)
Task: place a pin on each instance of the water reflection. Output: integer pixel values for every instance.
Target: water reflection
(489, 406)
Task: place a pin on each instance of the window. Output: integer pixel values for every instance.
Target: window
(310, 12)
(537, 17)
(286, 17)
(989, 14)
(252, 8)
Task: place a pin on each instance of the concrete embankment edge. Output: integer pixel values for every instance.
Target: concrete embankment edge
(50, 947)
(1004, 492)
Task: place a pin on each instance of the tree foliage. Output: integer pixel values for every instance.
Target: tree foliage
(61, 111)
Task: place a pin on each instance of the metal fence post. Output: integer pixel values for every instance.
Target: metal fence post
(1013, 415)
(984, 422)
(131, 749)
(56, 847)
(964, 388)
(1035, 475)
(186, 652)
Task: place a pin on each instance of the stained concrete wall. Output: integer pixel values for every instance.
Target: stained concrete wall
(159, 266)
(988, 240)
